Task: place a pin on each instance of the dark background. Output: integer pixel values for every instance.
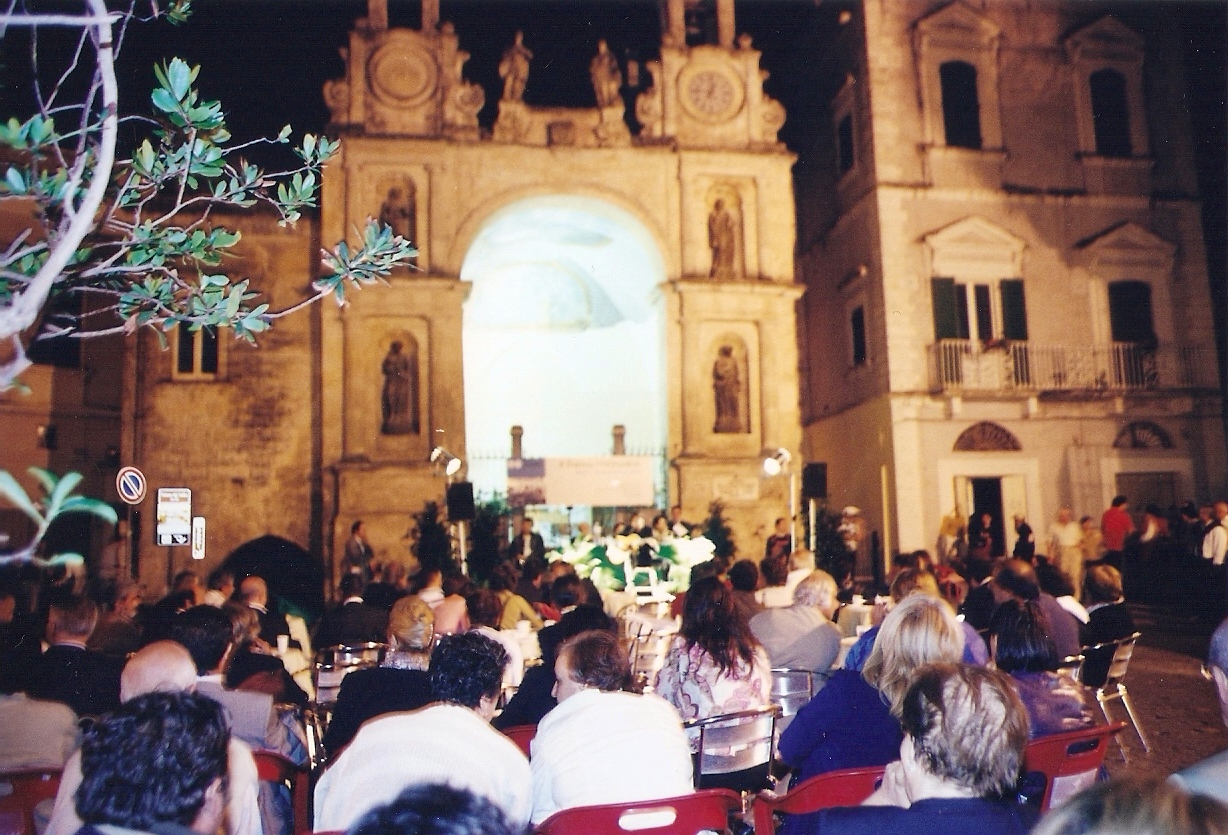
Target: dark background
(266, 61)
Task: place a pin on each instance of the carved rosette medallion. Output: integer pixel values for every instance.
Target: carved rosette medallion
(402, 75)
(710, 92)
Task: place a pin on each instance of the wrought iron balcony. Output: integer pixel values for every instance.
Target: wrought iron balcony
(964, 365)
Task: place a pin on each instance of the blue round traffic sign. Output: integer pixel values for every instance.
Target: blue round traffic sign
(131, 485)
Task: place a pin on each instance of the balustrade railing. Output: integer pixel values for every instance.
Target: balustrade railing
(971, 365)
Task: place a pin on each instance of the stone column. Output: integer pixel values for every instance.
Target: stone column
(724, 23)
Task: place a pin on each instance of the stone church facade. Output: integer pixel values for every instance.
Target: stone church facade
(1005, 303)
(1007, 308)
(294, 438)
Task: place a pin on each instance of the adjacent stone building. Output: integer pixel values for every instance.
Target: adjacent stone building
(1006, 306)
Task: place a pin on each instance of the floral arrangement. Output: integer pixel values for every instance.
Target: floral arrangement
(611, 563)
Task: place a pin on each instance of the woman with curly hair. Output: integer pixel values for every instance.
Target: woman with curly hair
(715, 665)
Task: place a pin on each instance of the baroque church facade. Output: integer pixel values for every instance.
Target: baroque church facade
(990, 294)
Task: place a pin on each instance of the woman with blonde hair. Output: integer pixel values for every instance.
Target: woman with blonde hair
(399, 683)
(855, 719)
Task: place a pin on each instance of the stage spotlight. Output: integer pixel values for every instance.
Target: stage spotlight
(451, 464)
(774, 463)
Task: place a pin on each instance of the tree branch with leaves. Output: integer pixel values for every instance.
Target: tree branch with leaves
(142, 232)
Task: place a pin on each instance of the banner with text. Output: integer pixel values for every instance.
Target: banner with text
(608, 481)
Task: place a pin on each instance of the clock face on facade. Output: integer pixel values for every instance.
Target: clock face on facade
(711, 93)
(402, 74)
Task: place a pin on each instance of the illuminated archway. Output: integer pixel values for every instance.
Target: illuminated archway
(562, 333)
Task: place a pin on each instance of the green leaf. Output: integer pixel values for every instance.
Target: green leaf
(46, 479)
(15, 181)
(16, 495)
(164, 101)
(284, 134)
(180, 77)
(83, 504)
(61, 492)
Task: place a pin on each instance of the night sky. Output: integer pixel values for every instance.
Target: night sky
(266, 60)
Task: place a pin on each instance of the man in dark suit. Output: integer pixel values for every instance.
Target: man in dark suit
(526, 544)
(353, 621)
(67, 672)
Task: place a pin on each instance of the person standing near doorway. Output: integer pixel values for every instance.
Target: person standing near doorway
(1116, 525)
(1066, 548)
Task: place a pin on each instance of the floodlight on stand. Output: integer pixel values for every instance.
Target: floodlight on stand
(776, 462)
(451, 464)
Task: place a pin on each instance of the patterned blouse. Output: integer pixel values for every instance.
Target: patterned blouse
(692, 682)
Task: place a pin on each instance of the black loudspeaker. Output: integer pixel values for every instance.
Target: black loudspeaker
(814, 480)
(460, 502)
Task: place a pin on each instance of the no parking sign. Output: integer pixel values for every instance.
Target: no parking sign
(131, 485)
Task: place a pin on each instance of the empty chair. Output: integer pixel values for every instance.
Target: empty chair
(1113, 687)
(736, 749)
(275, 768)
(845, 787)
(1069, 761)
(791, 689)
(522, 735)
(705, 810)
(20, 792)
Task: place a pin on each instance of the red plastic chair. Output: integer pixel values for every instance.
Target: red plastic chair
(846, 787)
(20, 792)
(1069, 761)
(522, 735)
(275, 768)
(706, 809)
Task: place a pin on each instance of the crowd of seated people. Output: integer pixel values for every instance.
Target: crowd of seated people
(949, 728)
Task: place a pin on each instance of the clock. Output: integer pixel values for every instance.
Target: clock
(711, 93)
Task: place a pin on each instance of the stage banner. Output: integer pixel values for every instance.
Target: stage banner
(608, 481)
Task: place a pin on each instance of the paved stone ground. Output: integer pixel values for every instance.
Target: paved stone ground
(1176, 706)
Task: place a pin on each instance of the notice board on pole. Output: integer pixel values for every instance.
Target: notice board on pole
(605, 481)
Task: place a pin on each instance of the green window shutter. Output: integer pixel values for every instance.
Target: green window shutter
(947, 310)
(1014, 311)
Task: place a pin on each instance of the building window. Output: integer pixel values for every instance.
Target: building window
(986, 312)
(845, 153)
(1110, 113)
(1130, 318)
(196, 353)
(1106, 60)
(961, 110)
(857, 328)
(956, 50)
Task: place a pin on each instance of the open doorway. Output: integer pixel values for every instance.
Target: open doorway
(563, 336)
(987, 499)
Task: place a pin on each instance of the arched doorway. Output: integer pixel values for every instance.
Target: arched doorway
(563, 334)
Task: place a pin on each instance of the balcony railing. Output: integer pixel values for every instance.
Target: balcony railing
(963, 365)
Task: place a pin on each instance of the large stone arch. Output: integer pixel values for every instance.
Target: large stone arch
(490, 205)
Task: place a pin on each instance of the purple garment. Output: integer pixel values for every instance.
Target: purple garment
(1055, 704)
(846, 725)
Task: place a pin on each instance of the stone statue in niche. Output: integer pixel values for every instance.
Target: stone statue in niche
(722, 238)
(514, 69)
(400, 396)
(727, 387)
(399, 212)
(607, 77)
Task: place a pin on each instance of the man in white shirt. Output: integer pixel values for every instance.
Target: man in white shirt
(1066, 548)
(1215, 541)
(603, 745)
(448, 741)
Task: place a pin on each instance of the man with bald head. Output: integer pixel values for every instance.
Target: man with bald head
(165, 666)
(254, 591)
